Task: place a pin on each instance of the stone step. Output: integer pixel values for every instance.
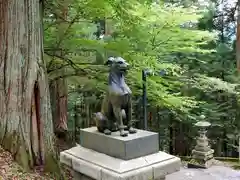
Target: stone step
(133, 146)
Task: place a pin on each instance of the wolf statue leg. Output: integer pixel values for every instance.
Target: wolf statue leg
(102, 123)
(129, 120)
(118, 114)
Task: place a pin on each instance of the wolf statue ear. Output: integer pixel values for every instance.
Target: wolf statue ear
(109, 61)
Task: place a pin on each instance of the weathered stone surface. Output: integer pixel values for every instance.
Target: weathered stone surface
(79, 176)
(201, 159)
(202, 164)
(134, 145)
(202, 155)
(212, 173)
(204, 124)
(165, 168)
(103, 167)
(202, 148)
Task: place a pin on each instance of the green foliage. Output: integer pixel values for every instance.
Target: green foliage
(200, 72)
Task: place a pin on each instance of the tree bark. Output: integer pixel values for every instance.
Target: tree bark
(59, 87)
(238, 56)
(238, 36)
(26, 128)
(58, 90)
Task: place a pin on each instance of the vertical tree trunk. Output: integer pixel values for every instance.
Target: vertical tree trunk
(238, 37)
(238, 55)
(59, 101)
(25, 114)
(59, 87)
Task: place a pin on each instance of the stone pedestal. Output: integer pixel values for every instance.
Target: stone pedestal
(91, 165)
(133, 146)
(102, 157)
(202, 154)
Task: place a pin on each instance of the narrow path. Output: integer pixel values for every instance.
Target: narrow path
(213, 173)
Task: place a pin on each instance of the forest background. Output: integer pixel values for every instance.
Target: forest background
(191, 46)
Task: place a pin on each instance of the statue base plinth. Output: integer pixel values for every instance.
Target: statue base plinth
(133, 146)
(91, 165)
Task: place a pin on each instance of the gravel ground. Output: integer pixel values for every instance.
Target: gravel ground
(212, 173)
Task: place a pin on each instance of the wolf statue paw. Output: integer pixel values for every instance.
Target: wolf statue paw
(131, 130)
(107, 132)
(123, 133)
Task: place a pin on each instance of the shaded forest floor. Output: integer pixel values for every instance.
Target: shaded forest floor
(10, 170)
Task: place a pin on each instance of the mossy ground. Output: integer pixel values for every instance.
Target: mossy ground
(23, 168)
(10, 170)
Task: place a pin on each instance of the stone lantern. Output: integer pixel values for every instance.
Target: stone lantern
(202, 154)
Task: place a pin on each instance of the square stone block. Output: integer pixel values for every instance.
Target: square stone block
(200, 164)
(100, 166)
(134, 145)
(202, 153)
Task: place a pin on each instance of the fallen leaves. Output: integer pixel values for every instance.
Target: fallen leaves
(10, 170)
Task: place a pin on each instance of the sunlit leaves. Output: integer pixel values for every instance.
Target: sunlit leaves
(154, 36)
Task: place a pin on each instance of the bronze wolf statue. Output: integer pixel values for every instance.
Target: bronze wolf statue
(116, 110)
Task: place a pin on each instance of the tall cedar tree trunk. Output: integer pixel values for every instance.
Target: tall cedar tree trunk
(59, 86)
(238, 37)
(26, 128)
(58, 90)
(238, 54)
